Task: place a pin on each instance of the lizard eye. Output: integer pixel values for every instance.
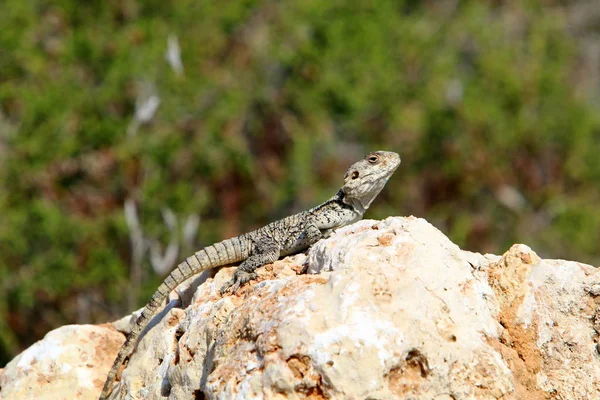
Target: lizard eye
(354, 175)
(373, 159)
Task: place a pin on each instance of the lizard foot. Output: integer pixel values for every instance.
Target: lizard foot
(239, 278)
(327, 234)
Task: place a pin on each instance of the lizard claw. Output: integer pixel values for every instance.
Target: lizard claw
(239, 278)
(226, 287)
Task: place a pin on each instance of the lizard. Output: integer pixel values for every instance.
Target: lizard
(362, 183)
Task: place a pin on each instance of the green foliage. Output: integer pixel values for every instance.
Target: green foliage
(276, 100)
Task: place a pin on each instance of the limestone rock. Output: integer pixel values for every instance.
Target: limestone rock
(388, 310)
(71, 362)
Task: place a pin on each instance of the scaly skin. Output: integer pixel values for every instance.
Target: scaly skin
(362, 183)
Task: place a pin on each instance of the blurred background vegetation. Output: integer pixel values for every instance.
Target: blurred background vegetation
(134, 132)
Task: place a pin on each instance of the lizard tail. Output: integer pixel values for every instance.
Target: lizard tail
(175, 278)
(219, 254)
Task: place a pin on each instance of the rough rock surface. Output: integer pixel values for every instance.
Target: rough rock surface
(69, 363)
(389, 310)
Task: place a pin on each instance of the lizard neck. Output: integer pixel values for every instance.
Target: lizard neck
(356, 205)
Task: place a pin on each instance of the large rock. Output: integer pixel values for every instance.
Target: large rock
(391, 309)
(69, 363)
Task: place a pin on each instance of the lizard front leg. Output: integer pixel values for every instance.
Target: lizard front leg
(313, 234)
(322, 234)
(266, 252)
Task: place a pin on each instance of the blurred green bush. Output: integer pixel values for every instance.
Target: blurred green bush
(274, 101)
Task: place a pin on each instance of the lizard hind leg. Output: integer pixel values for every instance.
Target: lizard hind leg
(266, 252)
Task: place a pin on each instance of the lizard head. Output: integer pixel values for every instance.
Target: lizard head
(365, 179)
